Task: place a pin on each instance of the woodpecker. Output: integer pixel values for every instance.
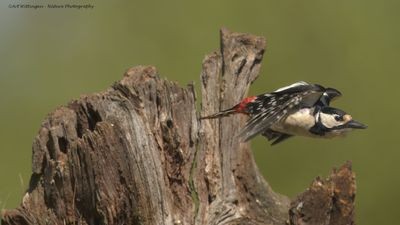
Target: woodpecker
(299, 109)
(328, 95)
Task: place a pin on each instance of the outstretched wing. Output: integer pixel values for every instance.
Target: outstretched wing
(271, 112)
(269, 109)
(329, 95)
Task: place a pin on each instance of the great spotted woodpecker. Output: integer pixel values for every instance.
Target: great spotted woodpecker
(300, 109)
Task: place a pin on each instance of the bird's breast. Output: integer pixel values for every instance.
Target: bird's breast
(296, 123)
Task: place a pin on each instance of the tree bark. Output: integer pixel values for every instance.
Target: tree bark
(137, 153)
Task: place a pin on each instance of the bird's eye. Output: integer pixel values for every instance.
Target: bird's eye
(338, 118)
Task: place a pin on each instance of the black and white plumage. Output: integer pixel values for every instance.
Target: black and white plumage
(300, 109)
(333, 122)
(271, 108)
(303, 117)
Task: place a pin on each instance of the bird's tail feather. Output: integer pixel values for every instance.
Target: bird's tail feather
(223, 113)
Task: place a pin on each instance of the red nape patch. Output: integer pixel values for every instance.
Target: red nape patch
(241, 107)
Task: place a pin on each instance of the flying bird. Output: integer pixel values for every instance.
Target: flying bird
(299, 109)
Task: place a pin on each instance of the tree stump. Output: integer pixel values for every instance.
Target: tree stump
(137, 153)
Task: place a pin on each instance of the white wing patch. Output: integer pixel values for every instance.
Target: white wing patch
(300, 83)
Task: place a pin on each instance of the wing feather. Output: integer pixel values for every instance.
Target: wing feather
(265, 119)
(274, 108)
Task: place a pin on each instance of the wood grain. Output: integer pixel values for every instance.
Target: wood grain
(137, 153)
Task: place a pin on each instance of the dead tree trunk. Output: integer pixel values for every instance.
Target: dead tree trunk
(138, 154)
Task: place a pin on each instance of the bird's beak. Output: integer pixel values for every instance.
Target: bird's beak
(355, 125)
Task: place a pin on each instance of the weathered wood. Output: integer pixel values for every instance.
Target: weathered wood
(235, 190)
(138, 154)
(327, 202)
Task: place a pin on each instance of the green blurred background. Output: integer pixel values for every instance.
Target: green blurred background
(48, 57)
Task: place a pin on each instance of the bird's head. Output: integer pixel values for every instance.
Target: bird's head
(336, 122)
